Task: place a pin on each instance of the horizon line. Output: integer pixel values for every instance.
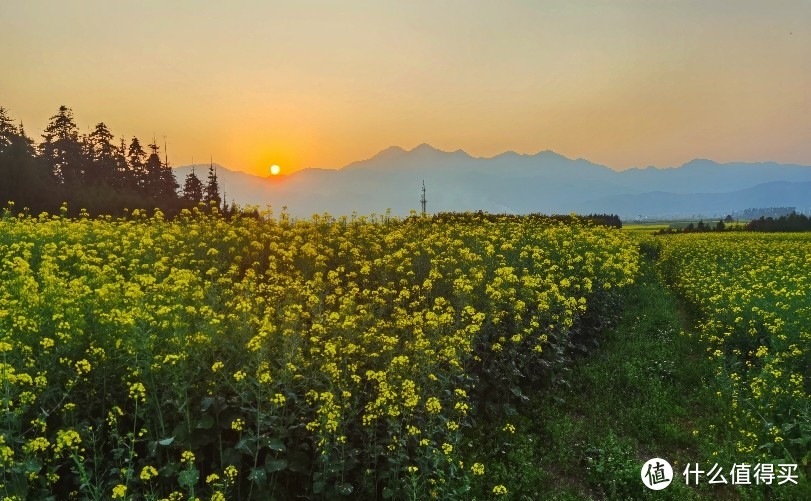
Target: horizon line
(429, 147)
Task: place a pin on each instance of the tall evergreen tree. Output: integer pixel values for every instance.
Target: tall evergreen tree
(136, 159)
(7, 130)
(123, 178)
(193, 188)
(160, 182)
(167, 182)
(101, 162)
(27, 144)
(212, 193)
(61, 149)
(23, 178)
(152, 171)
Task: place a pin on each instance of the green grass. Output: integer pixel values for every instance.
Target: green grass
(641, 228)
(639, 395)
(654, 226)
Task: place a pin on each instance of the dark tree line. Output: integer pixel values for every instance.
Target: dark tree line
(701, 227)
(611, 220)
(91, 171)
(792, 222)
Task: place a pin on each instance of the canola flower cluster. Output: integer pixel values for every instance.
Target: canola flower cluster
(266, 357)
(752, 293)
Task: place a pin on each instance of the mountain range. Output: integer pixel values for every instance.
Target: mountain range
(517, 183)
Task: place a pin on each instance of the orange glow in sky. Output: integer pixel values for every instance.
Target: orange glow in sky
(322, 84)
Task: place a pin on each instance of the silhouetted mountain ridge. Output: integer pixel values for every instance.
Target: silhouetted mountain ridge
(520, 183)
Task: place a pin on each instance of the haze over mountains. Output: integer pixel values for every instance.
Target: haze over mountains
(515, 183)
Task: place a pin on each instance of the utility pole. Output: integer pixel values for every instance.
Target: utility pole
(423, 201)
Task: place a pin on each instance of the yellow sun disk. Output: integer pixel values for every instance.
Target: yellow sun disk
(275, 169)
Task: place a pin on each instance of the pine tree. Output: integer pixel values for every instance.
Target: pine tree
(26, 143)
(136, 159)
(23, 178)
(151, 179)
(193, 188)
(123, 177)
(101, 162)
(7, 130)
(61, 149)
(225, 207)
(159, 180)
(212, 193)
(167, 183)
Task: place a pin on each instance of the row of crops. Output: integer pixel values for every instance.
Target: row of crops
(751, 296)
(268, 358)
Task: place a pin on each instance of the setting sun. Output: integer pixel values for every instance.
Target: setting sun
(274, 170)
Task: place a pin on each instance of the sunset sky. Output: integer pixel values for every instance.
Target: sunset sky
(302, 84)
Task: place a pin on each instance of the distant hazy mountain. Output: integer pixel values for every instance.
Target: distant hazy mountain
(511, 182)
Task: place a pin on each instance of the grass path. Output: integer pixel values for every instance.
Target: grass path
(643, 393)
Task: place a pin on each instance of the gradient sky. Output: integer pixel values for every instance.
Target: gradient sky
(624, 83)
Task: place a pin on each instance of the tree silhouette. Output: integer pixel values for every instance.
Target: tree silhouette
(7, 130)
(101, 156)
(212, 193)
(25, 179)
(123, 178)
(159, 181)
(136, 158)
(193, 188)
(90, 172)
(61, 149)
(167, 183)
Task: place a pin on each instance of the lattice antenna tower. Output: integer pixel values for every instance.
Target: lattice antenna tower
(423, 200)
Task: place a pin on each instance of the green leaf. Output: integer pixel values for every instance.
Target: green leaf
(31, 466)
(206, 422)
(345, 489)
(206, 403)
(245, 445)
(387, 493)
(276, 444)
(188, 478)
(166, 441)
(258, 475)
(275, 465)
(318, 487)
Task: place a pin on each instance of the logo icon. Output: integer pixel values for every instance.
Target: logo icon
(657, 474)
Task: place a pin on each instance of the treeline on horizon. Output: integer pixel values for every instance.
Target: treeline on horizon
(792, 223)
(94, 172)
(610, 220)
(789, 223)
